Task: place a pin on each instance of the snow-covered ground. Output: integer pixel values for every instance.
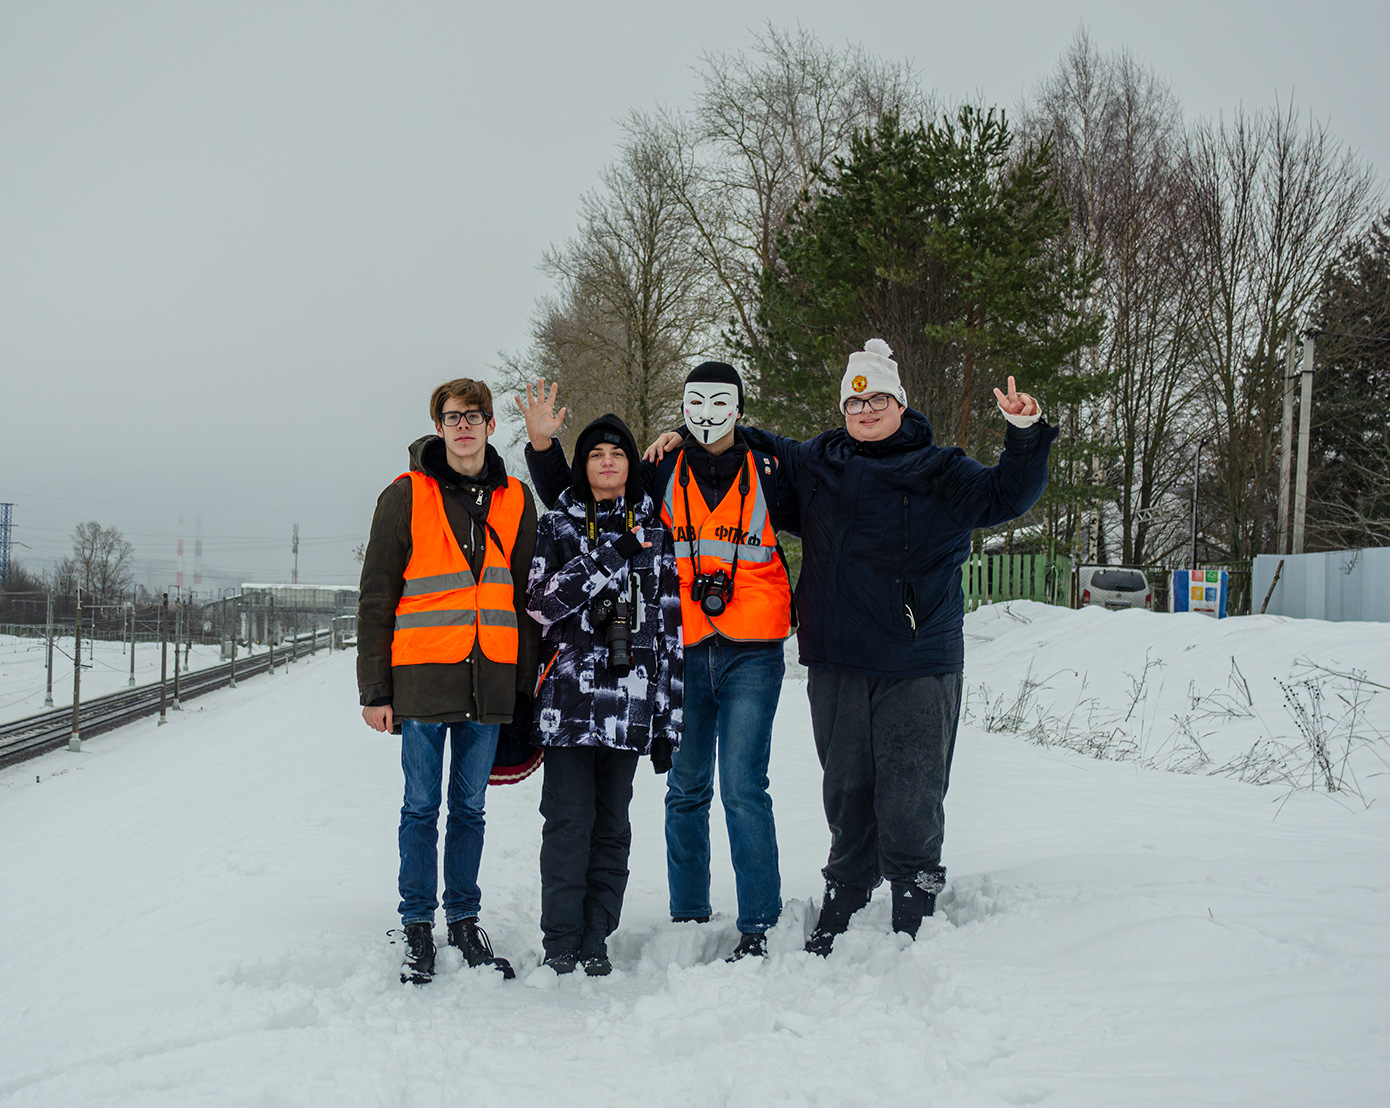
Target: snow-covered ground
(196, 914)
(106, 669)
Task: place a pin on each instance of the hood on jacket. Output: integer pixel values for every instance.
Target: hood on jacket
(607, 428)
(429, 456)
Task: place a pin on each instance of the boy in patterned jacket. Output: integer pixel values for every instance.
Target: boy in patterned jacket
(604, 588)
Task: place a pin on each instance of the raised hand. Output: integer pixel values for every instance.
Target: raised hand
(667, 440)
(542, 421)
(1016, 403)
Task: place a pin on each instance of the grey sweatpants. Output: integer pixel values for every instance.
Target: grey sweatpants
(885, 745)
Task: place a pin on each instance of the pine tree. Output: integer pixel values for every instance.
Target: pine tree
(946, 243)
(1349, 474)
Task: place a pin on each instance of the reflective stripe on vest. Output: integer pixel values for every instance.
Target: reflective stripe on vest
(760, 609)
(444, 610)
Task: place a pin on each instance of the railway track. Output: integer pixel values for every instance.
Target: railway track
(35, 735)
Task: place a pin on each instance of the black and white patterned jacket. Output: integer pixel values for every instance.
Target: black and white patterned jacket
(579, 702)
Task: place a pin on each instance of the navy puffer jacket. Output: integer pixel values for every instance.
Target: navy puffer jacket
(885, 529)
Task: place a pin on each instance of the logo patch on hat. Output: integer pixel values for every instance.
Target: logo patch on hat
(859, 383)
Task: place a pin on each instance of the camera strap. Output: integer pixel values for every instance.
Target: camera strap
(683, 473)
(591, 520)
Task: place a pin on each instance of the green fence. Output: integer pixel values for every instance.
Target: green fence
(993, 578)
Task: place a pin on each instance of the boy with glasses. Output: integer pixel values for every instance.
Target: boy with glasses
(443, 645)
(887, 517)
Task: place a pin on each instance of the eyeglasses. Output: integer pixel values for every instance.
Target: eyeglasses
(451, 419)
(879, 403)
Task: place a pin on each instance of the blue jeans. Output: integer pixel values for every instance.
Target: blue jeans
(730, 698)
(472, 747)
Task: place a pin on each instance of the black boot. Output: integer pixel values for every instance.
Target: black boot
(593, 956)
(840, 903)
(749, 946)
(599, 923)
(473, 941)
(690, 919)
(911, 904)
(562, 961)
(418, 966)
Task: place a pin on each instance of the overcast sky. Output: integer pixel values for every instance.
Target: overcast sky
(240, 242)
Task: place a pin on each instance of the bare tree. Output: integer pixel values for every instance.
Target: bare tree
(101, 561)
(671, 247)
(764, 122)
(635, 300)
(1118, 134)
(1271, 201)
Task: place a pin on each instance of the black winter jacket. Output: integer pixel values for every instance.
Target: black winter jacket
(579, 701)
(885, 529)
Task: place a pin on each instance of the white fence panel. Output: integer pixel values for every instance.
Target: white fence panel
(1336, 585)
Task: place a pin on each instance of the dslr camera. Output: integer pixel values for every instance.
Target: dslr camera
(613, 616)
(712, 591)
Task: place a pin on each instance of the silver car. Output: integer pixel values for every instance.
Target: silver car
(1116, 588)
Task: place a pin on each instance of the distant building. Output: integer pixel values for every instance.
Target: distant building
(271, 609)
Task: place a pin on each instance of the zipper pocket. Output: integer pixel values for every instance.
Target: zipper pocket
(544, 674)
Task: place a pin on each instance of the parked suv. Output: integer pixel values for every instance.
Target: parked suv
(1116, 588)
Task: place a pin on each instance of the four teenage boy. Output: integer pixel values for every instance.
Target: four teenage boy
(885, 517)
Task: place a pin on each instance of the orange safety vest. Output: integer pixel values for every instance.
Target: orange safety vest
(760, 608)
(443, 609)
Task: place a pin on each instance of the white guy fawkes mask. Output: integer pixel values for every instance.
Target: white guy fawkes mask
(710, 409)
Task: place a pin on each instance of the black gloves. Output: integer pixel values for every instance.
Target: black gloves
(627, 545)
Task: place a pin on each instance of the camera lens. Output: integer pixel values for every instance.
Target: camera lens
(712, 603)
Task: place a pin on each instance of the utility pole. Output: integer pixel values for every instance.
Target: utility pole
(235, 620)
(131, 682)
(1196, 475)
(1286, 444)
(294, 575)
(178, 633)
(75, 740)
(6, 511)
(1305, 419)
(270, 631)
(48, 698)
(163, 655)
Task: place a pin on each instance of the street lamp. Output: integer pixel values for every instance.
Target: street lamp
(1196, 476)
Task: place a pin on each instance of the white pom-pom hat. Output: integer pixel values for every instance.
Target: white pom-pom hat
(872, 370)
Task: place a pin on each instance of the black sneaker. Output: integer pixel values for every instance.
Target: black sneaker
(473, 941)
(418, 967)
(749, 946)
(562, 961)
(690, 919)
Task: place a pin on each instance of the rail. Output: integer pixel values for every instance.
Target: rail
(38, 734)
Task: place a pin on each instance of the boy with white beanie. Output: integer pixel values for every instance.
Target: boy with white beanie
(887, 517)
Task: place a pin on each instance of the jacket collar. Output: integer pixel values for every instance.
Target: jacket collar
(427, 456)
(907, 456)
